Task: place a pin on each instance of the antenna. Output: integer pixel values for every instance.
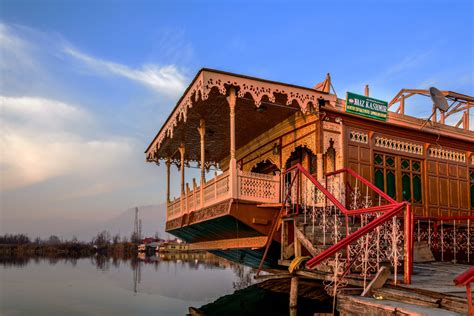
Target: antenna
(439, 103)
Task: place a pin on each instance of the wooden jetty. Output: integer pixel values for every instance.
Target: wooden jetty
(301, 173)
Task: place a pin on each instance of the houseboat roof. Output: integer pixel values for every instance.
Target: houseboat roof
(261, 104)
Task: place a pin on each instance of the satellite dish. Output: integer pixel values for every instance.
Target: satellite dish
(439, 101)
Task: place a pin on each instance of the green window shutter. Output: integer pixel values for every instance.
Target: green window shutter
(417, 198)
(379, 179)
(391, 188)
(406, 187)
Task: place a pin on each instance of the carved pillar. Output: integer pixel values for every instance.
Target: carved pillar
(168, 164)
(202, 132)
(182, 150)
(232, 100)
(319, 171)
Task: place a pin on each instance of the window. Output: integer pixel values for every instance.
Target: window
(384, 172)
(411, 180)
(471, 177)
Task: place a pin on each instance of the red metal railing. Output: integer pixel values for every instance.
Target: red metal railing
(381, 214)
(465, 279)
(450, 238)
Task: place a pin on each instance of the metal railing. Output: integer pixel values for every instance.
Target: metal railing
(365, 223)
(450, 238)
(465, 279)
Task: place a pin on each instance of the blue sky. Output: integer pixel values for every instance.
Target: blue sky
(85, 85)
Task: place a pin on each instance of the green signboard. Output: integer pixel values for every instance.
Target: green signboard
(366, 106)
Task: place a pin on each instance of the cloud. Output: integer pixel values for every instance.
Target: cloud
(168, 80)
(42, 139)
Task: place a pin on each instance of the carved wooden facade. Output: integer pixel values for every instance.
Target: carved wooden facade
(274, 120)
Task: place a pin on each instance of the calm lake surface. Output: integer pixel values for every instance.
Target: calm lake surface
(103, 286)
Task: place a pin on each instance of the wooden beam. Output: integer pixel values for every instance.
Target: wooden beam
(235, 243)
(305, 242)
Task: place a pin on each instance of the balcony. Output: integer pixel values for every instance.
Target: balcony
(251, 187)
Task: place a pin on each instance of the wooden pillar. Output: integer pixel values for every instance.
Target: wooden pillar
(182, 151)
(319, 168)
(232, 100)
(168, 165)
(202, 132)
(366, 90)
(293, 295)
(402, 104)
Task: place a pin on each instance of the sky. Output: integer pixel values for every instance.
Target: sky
(86, 85)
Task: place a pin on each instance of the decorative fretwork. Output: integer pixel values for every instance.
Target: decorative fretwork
(258, 187)
(207, 80)
(449, 239)
(359, 137)
(447, 154)
(398, 145)
(262, 154)
(325, 224)
(307, 141)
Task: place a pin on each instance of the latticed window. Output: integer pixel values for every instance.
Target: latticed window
(471, 177)
(384, 172)
(411, 180)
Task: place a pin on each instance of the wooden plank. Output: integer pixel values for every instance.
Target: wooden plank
(357, 305)
(407, 297)
(422, 252)
(305, 242)
(378, 281)
(235, 243)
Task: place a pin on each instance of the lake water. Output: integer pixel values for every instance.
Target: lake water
(146, 286)
(103, 286)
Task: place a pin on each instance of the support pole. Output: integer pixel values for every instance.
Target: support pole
(366, 90)
(182, 151)
(319, 167)
(168, 165)
(408, 254)
(202, 132)
(293, 295)
(232, 100)
(402, 105)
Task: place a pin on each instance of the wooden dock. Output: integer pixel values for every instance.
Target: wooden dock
(432, 292)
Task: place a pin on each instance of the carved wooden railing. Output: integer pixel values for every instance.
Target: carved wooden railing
(258, 187)
(253, 187)
(450, 238)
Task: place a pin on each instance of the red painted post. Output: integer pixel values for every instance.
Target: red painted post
(469, 299)
(298, 177)
(408, 254)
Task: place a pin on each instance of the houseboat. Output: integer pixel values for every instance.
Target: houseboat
(286, 152)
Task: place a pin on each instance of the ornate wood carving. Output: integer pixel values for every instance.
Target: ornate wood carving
(398, 145)
(209, 212)
(207, 80)
(359, 137)
(447, 154)
(262, 154)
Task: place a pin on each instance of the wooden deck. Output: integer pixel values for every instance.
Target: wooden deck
(437, 277)
(432, 292)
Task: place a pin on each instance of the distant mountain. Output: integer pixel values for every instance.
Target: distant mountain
(153, 219)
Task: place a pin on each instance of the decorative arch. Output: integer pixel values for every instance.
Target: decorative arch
(265, 167)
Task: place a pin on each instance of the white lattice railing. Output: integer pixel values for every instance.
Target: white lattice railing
(250, 186)
(258, 187)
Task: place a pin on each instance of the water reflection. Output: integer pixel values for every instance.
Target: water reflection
(97, 285)
(168, 284)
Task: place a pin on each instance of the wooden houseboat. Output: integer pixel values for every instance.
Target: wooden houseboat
(259, 133)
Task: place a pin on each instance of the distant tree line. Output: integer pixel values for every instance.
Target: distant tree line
(103, 243)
